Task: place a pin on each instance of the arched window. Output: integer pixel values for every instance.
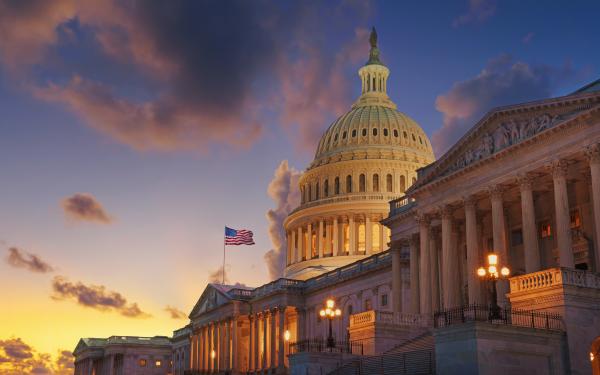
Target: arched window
(368, 82)
(375, 182)
(335, 137)
(344, 135)
(374, 132)
(405, 134)
(336, 190)
(361, 183)
(349, 184)
(373, 83)
(413, 136)
(388, 183)
(326, 188)
(395, 133)
(420, 140)
(317, 191)
(402, 184)
(353, 133)
(385, 132)
(364, 132)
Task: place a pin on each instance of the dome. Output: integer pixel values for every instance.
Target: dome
(373, 127)
(368, 157)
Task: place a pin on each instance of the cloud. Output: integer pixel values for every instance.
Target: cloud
(479, 11)
(528, 38)
(193, 82)
(85, 207)
(284, 191)
(17, 357)
(176, 313)
(502, 82)
(20, 259)
(96, 297)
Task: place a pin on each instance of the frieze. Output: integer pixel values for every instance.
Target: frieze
(508, 133)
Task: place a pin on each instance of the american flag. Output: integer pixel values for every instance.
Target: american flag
(238, 237)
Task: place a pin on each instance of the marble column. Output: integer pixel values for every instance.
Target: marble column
(192, 352)
(450, 261)
(382, 238)
(264, 363)
(593, 155)
(414, 276)
(256, 350)
(281, 352)
(294, 256)
(499, 238)
(424, 277)
(228, 344)
(396, 277)
(531, 247)
(327, 246)
(352, 226)
(309, 242)
(234, 343)
(434, 270)
(273, 339)
(299, 243)
(336, 238)
(473, 263)
(211, 362)
(320, 242)
(288, 237)
(251, 342)
(368, 236)
(563, 216)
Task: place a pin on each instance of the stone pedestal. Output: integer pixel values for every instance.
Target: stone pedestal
(489, 349)
(573, 294)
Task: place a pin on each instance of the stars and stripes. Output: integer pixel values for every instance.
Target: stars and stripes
(238, 237)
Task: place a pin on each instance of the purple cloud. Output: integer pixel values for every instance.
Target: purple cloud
(479, 11)
(21, 259)
(85, 207)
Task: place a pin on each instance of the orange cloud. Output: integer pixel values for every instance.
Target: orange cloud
(175, 313)
(85, 207)
(17, 358)
(96, 297)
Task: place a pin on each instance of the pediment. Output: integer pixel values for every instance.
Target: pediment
(211, 298)
(503, 128)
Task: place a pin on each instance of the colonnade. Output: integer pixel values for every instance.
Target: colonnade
(267, 342)
(336, 236)
(425, 266)
(214, 346)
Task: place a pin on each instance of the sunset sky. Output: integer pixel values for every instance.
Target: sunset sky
(132, 132)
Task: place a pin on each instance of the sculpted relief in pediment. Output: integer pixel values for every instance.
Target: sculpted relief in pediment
(506, 133)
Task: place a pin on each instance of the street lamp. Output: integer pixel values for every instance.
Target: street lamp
(330, 312)
(491, 274)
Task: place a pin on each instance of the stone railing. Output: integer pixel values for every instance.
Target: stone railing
(389, 317)
(351, 197)
(400, 205)
(553, 277)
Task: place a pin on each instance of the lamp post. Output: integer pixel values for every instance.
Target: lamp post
(330, 312)
(491, 274)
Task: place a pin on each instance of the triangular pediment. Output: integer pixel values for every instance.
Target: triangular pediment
(213, 296)
(505, 127)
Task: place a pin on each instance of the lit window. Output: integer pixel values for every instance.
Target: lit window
(546, 230)
(346, 238)
(384, 300)
(157, 363)
(361, 238)
(142, 362)
(575, 219)
(375, 237)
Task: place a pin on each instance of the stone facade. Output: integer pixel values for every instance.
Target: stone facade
(123, 355)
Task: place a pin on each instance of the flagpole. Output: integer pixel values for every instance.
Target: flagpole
(223, 260)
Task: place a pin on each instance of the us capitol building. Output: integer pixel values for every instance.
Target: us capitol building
(481, 262)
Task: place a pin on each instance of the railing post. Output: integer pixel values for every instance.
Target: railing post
(547, 322)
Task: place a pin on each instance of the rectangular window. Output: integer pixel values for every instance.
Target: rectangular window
(361, 238)
(142, 362)
(313, 245)
(516, 237)
(575, 219)
(545, 230)
(384, 300)
(368, 304)
(376, 237)
(157, 363)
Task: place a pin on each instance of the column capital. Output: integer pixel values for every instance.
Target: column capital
(525, 181)
(495, 192)
(592, 152)
(422, 219)
(469, 201)
(559, 168)
(445, 211)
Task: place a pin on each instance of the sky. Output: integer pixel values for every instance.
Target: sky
(132, 132)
